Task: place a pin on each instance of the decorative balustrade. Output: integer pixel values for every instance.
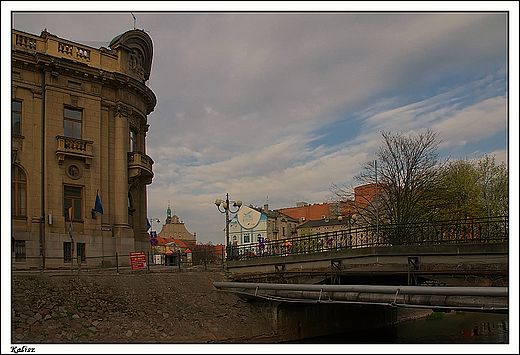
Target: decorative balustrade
(75, 148)
(65, 48)
(25, 42)
(71, 49)
(59, 47)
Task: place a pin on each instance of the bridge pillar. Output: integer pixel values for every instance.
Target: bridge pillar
(300, 321)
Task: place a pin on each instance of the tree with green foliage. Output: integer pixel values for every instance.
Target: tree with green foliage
(415, 185)
(475, 188)
(494, 186)
(460, 188)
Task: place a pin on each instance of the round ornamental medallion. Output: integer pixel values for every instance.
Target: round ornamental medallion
(248, 217)
(73, 171)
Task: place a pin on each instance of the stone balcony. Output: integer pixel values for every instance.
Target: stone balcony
(140, 166)
(75, 148)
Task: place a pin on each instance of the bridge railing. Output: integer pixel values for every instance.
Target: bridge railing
(469, 230)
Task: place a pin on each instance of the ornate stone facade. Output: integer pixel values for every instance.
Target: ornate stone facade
(79, 130)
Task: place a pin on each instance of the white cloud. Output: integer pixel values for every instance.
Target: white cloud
(240, 97)
(476, 122)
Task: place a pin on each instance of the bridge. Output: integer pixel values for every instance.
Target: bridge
(366, 277)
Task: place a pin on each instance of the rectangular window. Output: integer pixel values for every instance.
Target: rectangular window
(19, 251)
(67, 252)
(72, 197)
(16, 117)
(72, 123)
(246, 238)
(80, 251)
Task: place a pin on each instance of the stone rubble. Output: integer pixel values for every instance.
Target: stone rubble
(131, 308)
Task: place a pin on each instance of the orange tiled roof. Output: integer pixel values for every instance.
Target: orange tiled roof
(180, 242)
(164, 241)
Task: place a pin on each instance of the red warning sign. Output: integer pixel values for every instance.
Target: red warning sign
(138, 260)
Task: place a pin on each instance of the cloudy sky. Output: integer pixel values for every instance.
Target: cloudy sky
(275, 107)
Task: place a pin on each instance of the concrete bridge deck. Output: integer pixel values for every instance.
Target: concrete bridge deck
(417, 258)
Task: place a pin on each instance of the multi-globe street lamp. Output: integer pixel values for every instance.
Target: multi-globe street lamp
(153, 220)
(225, 205)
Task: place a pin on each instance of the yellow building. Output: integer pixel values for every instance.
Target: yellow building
(79, 124)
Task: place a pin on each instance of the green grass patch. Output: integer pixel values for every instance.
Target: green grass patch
(435, 315)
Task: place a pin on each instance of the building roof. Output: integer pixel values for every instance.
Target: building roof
(274, 214)
(324, 222)
(165, 241)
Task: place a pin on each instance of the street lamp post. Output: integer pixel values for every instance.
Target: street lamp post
(226, 207)
(151, 230)
(153, 220)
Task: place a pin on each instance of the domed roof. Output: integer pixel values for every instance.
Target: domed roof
(139, 41)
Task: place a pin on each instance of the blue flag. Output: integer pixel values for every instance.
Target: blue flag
(148, 225)
(98, 207)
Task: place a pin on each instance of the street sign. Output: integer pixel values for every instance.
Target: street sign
(188, 257)
(138, 260)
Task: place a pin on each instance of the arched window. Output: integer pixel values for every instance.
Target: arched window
(18, 192)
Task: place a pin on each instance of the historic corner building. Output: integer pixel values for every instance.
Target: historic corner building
(253, 225)
(79, 124)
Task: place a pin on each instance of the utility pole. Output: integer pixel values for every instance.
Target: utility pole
(377, 206)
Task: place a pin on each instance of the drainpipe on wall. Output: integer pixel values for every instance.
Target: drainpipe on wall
(42, 218)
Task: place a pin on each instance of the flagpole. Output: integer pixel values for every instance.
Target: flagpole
(71, 241)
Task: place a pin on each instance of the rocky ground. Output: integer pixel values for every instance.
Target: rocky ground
(131, 308)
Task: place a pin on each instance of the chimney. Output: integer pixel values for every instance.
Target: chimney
(266, 208)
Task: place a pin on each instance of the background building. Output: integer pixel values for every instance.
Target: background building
(325, 226)
(305, 212)
(174, 228)
(253, 225)
(79, 124)
(279, 225)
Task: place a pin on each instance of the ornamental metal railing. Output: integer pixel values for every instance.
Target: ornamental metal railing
(468, 230)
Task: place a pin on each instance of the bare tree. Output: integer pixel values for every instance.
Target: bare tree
(407, 172)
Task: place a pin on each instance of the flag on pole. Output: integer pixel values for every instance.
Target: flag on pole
(98, 207)
(148, 225)
(70, 219)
